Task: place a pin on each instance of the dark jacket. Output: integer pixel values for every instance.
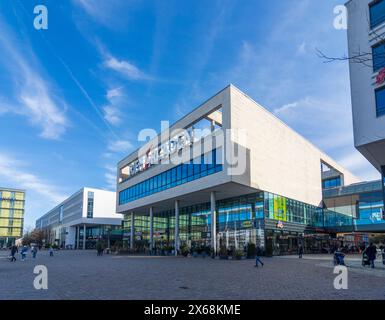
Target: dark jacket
(300, 250)
(14, 250)
(371, 252)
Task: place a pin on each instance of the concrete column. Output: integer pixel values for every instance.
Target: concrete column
(132, 231)
(213, 222)
(84, 237)
(383, 187)
(176, 233)
(78, 237)
(151, 229)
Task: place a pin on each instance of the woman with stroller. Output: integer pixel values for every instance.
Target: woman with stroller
(371, 253)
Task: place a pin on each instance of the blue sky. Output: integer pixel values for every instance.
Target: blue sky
(73, 97)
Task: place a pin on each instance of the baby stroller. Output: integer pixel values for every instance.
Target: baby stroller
(338, 258)
(365, 260)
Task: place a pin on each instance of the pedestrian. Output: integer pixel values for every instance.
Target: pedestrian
(50, 250)
(23, 253)
(300, 251)
(371, 252)
(99, 248)
(258, 253)
(34, 252)
(14, 250)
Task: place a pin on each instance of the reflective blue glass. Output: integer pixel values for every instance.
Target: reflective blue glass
(378, 53)
(380, 102)
(377, 13)
(178, 175)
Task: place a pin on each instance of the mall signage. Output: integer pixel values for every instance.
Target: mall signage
(380, 77)
(160, 153)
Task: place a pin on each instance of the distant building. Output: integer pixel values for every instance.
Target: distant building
(366, 40)
(81, 220)
(12, 204)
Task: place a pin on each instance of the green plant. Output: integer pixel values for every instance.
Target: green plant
(238, 254)
(184, 250)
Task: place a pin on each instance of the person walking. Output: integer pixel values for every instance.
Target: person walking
(300, 251)
(99, 248)
(371, 252)
(50, 250)
(14, 250)
(23, 253)
(34, 252)
(258, 253)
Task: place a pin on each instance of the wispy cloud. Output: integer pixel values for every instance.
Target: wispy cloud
(116, 100)
(14, 173)
(111, 13)
(33, 95)
(110, 176)
(121, 146)
(125, 68)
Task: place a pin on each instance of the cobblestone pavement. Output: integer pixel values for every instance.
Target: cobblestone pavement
(83, 275)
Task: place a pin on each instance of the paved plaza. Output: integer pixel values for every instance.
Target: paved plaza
(83, 275)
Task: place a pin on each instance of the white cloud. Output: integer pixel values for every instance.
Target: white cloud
(42, 110)
(111, 13)
(125, 68)
(119, 146)
(33, 96)
(116, 101)
(11, 171)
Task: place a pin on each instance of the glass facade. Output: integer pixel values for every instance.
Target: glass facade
(370, 208)
(331, 183)
(364, 202)
(11, 216)
(378, 53)
(171, 178)
(240, 221)
(377, 13)
(380, 101)
(106, 233)
(90, 204)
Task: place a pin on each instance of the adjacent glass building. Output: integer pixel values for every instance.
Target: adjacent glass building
(12, 204)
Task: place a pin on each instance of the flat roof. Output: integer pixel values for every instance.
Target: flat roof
(361, 187)
(11, 189)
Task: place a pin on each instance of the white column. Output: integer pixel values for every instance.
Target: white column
(151, 229)
(132, 231)
(78, 237)
(84, 237)
(176, 234)
(213, 222)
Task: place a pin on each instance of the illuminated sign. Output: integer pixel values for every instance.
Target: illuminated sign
(247, 224)
(279, 225)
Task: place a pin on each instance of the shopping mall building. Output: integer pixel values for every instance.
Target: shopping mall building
(226, 174)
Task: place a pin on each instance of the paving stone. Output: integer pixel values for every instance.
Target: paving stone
(83, 275)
